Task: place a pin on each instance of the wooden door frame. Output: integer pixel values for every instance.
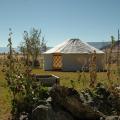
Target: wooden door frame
(57, 54)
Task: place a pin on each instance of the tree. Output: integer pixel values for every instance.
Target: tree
(43, 45)
(32, 45)
(10, 55)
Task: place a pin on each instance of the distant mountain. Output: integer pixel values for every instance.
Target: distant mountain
(116, 45)
(99, 45)
(6, 49)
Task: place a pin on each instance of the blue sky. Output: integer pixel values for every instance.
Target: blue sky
(89, 20)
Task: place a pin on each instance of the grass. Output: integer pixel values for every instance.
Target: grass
(65, 78)
(5, 99)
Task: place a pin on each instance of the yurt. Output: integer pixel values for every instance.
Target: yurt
(72, 55)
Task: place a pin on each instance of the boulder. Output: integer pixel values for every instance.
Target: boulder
(69, 99)
(66, 103)
(45, 112)
(63, 115)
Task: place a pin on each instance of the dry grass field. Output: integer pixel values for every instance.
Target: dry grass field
(65, 80)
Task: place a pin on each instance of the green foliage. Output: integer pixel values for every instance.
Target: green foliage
(106, 100)
(113, 40)
(118, 70)
(72, 83)
(32, 45)
(26, 92)
(102, 98)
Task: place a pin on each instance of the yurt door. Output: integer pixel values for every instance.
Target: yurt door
(57, 61)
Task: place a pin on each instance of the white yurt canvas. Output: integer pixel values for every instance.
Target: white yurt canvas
(72, 55)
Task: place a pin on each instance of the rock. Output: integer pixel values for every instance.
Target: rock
(67, 104)
(69, 99)
(49, 100)
(43, 112)
(62, 115)
(23, 116)
(40, 113)
(112, 118)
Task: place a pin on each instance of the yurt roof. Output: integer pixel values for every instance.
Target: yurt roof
(73, 46)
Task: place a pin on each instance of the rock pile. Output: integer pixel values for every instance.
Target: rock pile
(67, 104)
